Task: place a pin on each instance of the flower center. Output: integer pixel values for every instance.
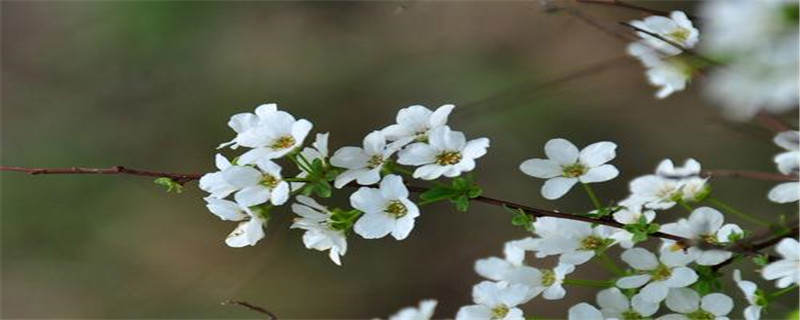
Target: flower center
(592, 243)
(661, 273)
(396, 208)
(548, 277)
(283, 143)
(680, 35)
(270, 181)
(375, 161)
(448, 158)
(631, 315)
(701, 315)
(500, 311)
(573, 170)
(709, 238)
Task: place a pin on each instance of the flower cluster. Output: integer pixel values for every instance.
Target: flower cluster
(247, 188)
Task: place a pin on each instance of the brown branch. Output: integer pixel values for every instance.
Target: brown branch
(745, 174)
(767, 238)
(772, 122)
(270, 315)
(625, 5)
(180, 178)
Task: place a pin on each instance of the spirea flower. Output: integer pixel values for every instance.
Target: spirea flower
(447, 153)
(754, 297)
(704, 225)
(676, 28)
(272, 134)
(320, 235)
(249, 230)
(363, 164)
(656, 275)
(386, 210)
(614, 305)
(566, 165)
(214, 182)
(257, 186)
(630, 213)
(787, 269)
(495, 300)
(415, 122)
(423, 312)
(669, 185)
(690, 305)
(670, 73)
(789, 164)
(575, 242)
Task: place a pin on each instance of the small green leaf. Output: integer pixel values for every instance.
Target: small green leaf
(520, 218)
(761, 260)
(708, 280)
(169, 184)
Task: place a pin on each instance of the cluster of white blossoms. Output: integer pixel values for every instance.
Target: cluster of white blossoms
(746, 70)
(248, 187)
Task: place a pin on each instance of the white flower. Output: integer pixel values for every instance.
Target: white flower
(497, 301)
(566, 166)
(423, 312)
(246, 121)
(316, 220)
(214, 183)
(789, 164)
(667, 169)
(415, 122)
(575, 241)
(614, 305)
(631, 213)
(363, 164)
(753, 296)
(275, 134)
(768, 21)
(786, 270)
(656, 275)
(257, 186)
(498, 269)
(447, 153)
(677, 28)
(249, 231)
(670, 73)
(669, 185)
(704, 225)
(386, 210)
(690, 306)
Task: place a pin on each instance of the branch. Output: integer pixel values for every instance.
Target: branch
(625, 5)
(763, 240)
(270, 315)
(180, 178)
(672, 43)
(754, 175)
(772, 122)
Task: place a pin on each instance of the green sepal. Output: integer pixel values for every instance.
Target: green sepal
(169, 184)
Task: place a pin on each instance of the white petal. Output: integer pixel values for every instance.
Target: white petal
(600, 174)
(541, 168)
(584, 311)
(443, 138)
(392, 187)
(350, 158)
(429, 172)
(246, 234)
(712, 257)
(254, 154)
(475, 148)
(225, 210)
(598, 153)
(681, 277)
(717, 303)
(241, 177)
(554, 292)
(561, 151)
(612, 298)
(374, 143)
(644, 307)
(640, 259)
(417, 154)
(633, 281)
(280, 194)
(785, 192)
(576, 257)
(493, 268)
(683, 300)
(473, 312)
(403, 227)
(654, 291)
(557, 187)
(348, 176)
(439, 117)
(374, 225)
(252, 196)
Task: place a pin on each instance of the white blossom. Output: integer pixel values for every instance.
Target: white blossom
(423, 312)
(787, 269)
(670, 73)
(363, 164)
(669, 185)
(320, 235)
(566, 165)
(789, 164)
(386, 210)
(249, 230)
(270, 132)
(752, 294)
(495, 300)
(676, 28)
(631, 212)
(656, 275)
(214, 183)
(614, 305)
(689, 305)
(575, 242)
(416, 122)
(257, 185)
(704, 225)
(446, 153)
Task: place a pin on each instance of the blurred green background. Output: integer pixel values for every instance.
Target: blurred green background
(151, 85)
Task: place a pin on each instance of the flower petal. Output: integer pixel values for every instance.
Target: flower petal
(561, 151)
(598, 153)
(640, 259)
(374, 225)
(557, 187)
(541, 168)
(600, 174)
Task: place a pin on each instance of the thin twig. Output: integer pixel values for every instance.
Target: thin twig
(672, 43)
(270, 315)
(745, 174)
(772, 122)
(180, 178)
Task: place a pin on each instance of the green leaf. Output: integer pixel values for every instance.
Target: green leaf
(761, 260)
(438, 194)
(520, 218)
(708, 280)
(169, 184)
